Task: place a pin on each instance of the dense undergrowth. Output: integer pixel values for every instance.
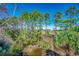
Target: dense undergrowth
(28, 34)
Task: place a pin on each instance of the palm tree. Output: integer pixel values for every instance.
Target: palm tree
(38, 24)
(46, 18)
(40, 21)
(58, 19)
(71, 13)
(35, 19)
(24, 20)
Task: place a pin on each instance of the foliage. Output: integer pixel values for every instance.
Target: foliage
(27, 29)
(67, 37)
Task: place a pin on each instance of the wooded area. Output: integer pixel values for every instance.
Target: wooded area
(25, 35)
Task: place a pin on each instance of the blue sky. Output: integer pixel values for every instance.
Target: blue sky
(51, 8)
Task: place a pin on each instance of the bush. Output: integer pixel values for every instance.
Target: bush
(67, 37)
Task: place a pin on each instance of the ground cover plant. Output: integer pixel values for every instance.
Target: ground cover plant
(28, 31)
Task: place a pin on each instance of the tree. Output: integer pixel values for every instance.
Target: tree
(58, 19)
(46, 18)
(71, 13)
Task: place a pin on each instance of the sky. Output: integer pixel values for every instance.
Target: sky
(51, 8)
